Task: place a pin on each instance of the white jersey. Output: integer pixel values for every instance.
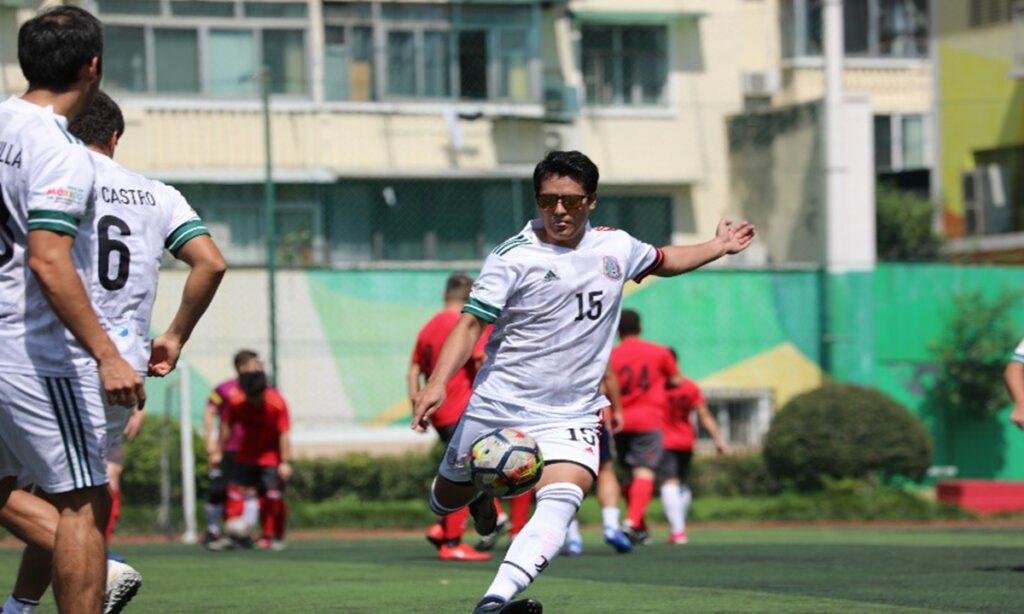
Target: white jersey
(136, 218)
(46, 178)
(1018, 352)
(555, 311)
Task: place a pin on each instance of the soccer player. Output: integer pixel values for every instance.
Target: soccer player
(147, 217)
(553, 293)
(52, 423)
(264, 453)
(446, 535)
(222, 460)
(644, 370)
(679, 436)
(1014, 378)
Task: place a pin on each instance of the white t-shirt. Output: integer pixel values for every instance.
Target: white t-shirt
(136, 219)
(1018, 353)
(555, 312)
(46, 179)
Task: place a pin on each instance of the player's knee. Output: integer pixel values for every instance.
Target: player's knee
(235, 493)
(274, 494)
(562, 492)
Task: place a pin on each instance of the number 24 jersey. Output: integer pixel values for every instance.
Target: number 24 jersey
(136, 219)
(555, 311)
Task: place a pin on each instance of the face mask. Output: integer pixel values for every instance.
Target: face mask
(253, 383)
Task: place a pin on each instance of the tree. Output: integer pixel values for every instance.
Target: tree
(903, 226)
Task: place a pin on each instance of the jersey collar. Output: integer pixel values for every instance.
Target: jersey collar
(530, 232)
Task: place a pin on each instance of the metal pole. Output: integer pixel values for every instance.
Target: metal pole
(188, 461)
(270, 217)
(834, 167)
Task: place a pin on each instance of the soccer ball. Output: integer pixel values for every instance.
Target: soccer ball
(505, 463)
(237, 529)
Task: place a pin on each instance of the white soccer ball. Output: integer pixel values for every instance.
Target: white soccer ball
(237, 528)
(505, 463)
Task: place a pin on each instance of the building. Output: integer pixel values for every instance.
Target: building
(980, 51)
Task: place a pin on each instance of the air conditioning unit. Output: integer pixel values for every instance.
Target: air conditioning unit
(561, 101)
(760, 84)
(562, 137)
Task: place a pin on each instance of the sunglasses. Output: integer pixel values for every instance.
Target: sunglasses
(571, 202)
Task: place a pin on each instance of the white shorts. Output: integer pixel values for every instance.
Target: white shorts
(117, 419)
(53, 431)
(562, 439)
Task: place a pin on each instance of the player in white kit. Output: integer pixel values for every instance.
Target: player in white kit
(52, 426)
(553, 293)
(135, 220)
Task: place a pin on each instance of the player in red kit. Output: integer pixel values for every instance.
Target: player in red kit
(262, 460)
(644, 371)
(679, 437)
(447, 533)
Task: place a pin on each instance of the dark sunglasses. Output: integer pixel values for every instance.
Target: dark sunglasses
(571, 202)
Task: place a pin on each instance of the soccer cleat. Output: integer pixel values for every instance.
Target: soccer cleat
(435, 535)
(277, 545)
(461, 552)
(573, 547)
(496, 605)
(123, 583)
(487, 542)
(678, 538)
(485, 515)
(219, 545)
(618, 540)
(638, 537)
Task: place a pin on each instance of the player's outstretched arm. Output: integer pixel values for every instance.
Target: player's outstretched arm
(457, 349)
(730, 238)
(207, 269)
(707, 419)
(1014, 378)
(49, 258)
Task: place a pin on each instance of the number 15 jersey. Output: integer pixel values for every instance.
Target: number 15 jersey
(136, 219)
(555, 311)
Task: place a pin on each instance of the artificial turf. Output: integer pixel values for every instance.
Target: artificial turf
(815, 569)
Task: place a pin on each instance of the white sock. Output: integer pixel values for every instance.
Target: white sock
(610, 516)
(214, 515)
(539, 541)
(13, 605)
(672, 501)
(573, 534)
(251, 511)
(684, 490)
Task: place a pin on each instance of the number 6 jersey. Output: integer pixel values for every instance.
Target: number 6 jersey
(136, 219)
(555, 311)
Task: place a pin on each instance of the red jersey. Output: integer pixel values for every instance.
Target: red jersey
(262, 423)
(643, 369)
(460, 387)
(219, 400)
(678, 433)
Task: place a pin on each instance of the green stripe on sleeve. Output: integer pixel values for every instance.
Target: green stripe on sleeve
(491, 312)
(60, 227)
(185, 233)
(475, 311)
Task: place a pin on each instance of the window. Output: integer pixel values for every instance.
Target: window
(871, 28)
(625, 65)
(901, 143)
(214, 47)
(648, 218)
(743, 416)
(431, 51)
(1017, 13)
(990, 12)
(994, 192)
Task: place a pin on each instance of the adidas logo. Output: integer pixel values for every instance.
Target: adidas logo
(550, 276)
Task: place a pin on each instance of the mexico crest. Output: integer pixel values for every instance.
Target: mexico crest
(611, 268)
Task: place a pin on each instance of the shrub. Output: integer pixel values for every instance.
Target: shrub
(904, 228)
(140, 483)
(845, 431)
(727, 476)
(370, 478)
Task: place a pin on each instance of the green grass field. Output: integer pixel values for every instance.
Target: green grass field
(722, 570)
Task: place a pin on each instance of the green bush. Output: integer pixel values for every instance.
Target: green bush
(140, 483)
(725, 476)
(903, 226)
(845, 431)
(370, 478)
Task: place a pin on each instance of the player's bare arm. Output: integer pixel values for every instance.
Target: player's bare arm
(1014, 378)
(456, 351)
(707, 419)
(207, 268)
(413, 380)
(49, 258)
(284, 469)
(610, 386)
(730, 238)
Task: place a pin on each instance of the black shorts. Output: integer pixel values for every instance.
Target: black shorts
(675, 464)
(444, 433)
(605, 443)
(641, 449)
(261, 478)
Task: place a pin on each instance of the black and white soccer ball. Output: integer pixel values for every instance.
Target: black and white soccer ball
(505, 462)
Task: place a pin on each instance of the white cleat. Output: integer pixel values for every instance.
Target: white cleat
(122, 584)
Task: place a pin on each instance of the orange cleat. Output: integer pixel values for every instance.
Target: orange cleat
(461, 552)
(678, 538)
(435, 535)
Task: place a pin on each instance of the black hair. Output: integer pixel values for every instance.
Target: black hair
(675, 356)
(629, 323)
(458, 286)
(244, 356)
(56, 44)
(101, 120)
(571, 164)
